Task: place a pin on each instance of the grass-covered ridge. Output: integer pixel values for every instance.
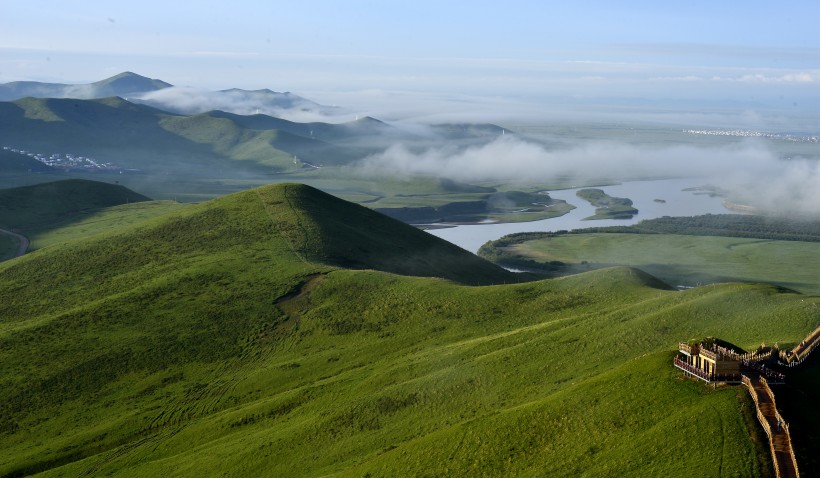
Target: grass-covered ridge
(226, 338)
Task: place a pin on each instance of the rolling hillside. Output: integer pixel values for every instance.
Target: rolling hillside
(265, 334)
(133, 136)
(153, 141)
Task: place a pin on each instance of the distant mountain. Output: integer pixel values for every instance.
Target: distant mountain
(137, 136)
(174, 99)
(121, 135)
(332, 132)
(124, 84)
(185, 100)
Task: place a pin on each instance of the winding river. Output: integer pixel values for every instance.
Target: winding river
(676, 202)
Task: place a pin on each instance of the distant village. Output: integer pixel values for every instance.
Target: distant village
(67, 161)
(755, 134)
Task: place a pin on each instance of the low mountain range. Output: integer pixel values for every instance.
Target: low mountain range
(123, 84)
(133, 136)
(165, 96)
(136, 136)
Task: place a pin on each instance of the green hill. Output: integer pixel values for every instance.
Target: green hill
(31, 208)
(227, 339)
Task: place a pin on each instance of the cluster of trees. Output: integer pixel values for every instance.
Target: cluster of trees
(608, 207)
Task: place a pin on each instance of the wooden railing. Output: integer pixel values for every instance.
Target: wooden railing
(728, 378)
(758, 355)
(790, 358)
(801, 351)
(708, 354)
(764, 422)
(694, 371)
(788, 439)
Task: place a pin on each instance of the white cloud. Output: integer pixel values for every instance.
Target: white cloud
(761, 78)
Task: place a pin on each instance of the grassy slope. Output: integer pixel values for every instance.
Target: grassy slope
(63, 210)
(688, 260)
(163, 351)
(82, 225)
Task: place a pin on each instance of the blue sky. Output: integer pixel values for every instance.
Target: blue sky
(428, 54)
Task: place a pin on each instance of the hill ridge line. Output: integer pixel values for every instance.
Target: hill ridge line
(266, 207)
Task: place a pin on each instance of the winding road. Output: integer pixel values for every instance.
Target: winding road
(23, 240)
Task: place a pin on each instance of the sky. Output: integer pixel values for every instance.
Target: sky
(428, 58)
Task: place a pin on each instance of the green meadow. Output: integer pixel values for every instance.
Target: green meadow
(283, 332)
(684, 259)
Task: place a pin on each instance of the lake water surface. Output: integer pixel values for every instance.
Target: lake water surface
(642, 193)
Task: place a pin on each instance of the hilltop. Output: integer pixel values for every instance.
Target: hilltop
(232, 337)
(123, 84)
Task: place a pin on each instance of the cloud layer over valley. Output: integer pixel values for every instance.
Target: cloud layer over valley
(749, 170)
(188, 100)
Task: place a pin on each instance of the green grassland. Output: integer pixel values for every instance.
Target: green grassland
(35, 210)
(269, 333)
(84, 224)
(682, 259)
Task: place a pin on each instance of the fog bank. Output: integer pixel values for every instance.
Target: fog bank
(748, 170)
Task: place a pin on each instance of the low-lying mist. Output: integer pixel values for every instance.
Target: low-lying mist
(749, 171)
(186, 100)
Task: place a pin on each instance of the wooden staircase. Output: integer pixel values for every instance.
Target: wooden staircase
(785, 464)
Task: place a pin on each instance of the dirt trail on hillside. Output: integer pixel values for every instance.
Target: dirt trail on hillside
(23, 240)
